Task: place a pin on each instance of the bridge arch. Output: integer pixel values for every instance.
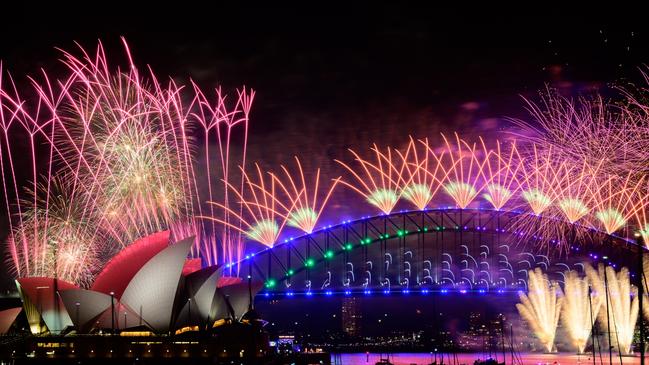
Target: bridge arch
(433, 250)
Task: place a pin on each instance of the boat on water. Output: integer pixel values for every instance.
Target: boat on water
(383, 361)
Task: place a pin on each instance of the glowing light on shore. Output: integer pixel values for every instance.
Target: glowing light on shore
(541, 307)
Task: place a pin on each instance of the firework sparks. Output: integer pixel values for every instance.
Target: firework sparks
(264, 215)
(618, 200)
(541, 307)
(580, 308)
(124, 143)
(500, 171)
(303, 197)
(383, 177)
(59, 237)
(622, 313)
(464, 172)
(424, 173)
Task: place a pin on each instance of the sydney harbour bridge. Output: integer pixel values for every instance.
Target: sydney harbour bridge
(434, 251)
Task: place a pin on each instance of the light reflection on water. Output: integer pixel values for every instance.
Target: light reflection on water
(469, 359)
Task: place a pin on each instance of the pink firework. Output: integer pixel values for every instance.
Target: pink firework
(125, 145)
(378, 180)
(303, 196)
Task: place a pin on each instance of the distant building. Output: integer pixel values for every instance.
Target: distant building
(352, 316)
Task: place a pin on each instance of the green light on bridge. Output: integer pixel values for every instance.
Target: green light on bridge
(309, 262)
(329, 254)
(290, 272)
(270, 283)
(348, 247)
(366, 241)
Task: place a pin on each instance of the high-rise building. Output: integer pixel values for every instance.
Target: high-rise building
(351, 316)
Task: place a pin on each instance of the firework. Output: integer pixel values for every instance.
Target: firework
(378, 182)
(618, 200)
(580, 308)
(55, 238)
(593, 131)
(303, 197)
(264, 215)
(423, 173)
(124, 144)
(619, 311)
(541, 307)
(501, 169)
(463, 171)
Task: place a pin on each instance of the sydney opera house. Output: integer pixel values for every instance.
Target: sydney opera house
(148, 290)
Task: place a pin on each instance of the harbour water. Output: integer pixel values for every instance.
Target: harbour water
(470, 358)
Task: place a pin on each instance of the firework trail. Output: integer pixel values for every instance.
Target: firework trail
(303, 197)
(379, 181)
(263, 215)
(423, 173)
(617, 201)
(124, 144)
(580, 308)
(622, 314)
(593, 131)
(501, 170)
(58, 237)
(464, 171)
(118, 154)
(541, 307)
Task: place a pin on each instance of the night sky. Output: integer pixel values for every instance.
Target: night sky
(329, 78)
